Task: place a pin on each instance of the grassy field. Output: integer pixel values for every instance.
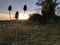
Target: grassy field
(29, 34)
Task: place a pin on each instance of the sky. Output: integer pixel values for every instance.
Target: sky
(17, 5)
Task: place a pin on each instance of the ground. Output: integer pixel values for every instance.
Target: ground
(28, 33)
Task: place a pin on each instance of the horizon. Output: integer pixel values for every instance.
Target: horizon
(5, 16)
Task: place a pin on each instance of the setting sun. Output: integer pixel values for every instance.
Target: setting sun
(23, 16)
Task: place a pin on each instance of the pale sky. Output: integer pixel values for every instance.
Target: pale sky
(17, 5)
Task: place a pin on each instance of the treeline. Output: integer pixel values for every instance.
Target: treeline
(48, 12)
(44, 20)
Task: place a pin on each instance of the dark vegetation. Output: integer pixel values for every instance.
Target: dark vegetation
(29, 34)
(35, 18)
(48, 12)
(10, 8)
(16, 15)
(25, 8)
(44, 19)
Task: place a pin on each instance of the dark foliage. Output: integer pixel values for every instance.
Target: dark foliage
(56, 18)
(10, 8)
(25, 8)
(48, 10)
(16, 15)
(35, 17)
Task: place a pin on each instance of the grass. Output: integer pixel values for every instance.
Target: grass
(30, 34)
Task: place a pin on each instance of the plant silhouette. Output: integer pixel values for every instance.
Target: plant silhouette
(25, 8)
(10, 8)
(16, 15)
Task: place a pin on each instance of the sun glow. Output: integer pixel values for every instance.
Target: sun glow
(23, 16)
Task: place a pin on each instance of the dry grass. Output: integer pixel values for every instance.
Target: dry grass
(30, 34)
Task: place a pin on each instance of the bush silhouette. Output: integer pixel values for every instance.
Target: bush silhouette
(35, 17)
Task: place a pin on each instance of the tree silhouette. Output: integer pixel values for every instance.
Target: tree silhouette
(25, 8)
(16, 15)
(10, 8)
(48, 9)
